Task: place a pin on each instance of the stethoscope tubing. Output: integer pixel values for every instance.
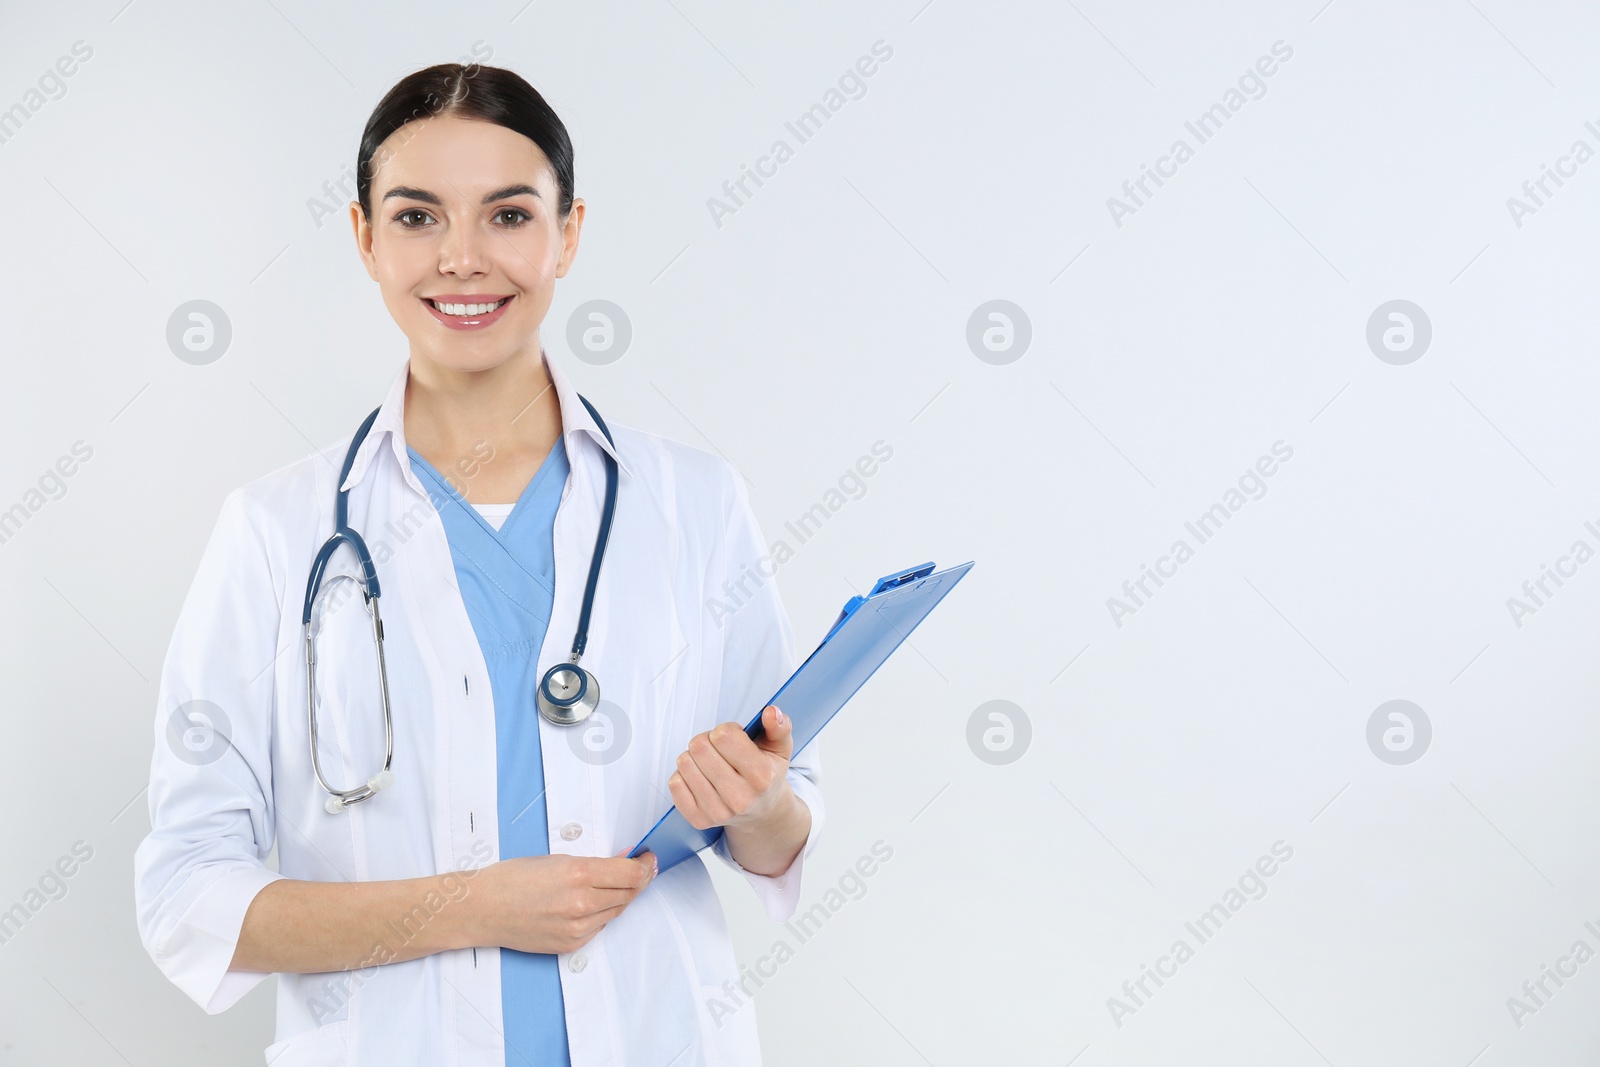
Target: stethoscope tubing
(560, 710)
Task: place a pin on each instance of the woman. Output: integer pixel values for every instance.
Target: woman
(478, 908)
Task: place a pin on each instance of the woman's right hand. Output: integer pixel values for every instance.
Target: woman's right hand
(558, 903)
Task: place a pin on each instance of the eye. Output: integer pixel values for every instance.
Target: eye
(401, 218)
(522, 216)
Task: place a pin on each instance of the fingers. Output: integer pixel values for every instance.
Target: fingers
(598, 900)
(779, 732)
(735, 789)
(741, 753)
(647, 861)
(723, 774)
(602, 888)
(587, 902)
(619, 873)
(585, 929)
(705, 796)
(686, 803)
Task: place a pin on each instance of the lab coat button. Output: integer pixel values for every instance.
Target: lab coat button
(578, 963)
(571, 832)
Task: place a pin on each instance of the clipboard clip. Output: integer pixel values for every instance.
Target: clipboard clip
(910, 574)
(888, 581)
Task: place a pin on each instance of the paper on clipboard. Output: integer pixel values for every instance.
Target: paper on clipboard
(866, 633)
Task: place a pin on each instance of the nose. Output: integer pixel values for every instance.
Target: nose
(461, 250)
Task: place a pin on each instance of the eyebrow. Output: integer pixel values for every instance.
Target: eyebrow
(411, 193)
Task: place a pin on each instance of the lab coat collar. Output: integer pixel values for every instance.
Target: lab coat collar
(390, 425)
(575, 418)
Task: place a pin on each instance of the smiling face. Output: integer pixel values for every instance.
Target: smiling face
(465, 239)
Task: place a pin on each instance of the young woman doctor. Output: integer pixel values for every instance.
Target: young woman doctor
(475, 909)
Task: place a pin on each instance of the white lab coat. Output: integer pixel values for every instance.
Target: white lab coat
(685, 549)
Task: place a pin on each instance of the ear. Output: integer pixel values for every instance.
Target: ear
(569, 237)
(363, 234)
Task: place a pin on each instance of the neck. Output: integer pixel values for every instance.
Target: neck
(513, 405)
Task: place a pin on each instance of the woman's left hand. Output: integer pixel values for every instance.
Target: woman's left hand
(726, 779)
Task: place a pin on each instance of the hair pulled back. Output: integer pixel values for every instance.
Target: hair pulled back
(473, 91)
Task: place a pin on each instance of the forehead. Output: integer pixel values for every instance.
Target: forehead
(445, 153)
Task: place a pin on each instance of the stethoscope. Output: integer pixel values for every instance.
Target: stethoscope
(568, 693)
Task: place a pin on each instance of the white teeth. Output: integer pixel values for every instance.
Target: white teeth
(467, 309)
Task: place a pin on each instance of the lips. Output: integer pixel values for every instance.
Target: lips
(467, 311)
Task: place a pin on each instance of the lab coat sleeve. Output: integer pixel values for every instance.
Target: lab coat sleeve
(758, 656)
(211, 817)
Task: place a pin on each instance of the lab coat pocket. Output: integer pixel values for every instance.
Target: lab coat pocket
(326, 1046)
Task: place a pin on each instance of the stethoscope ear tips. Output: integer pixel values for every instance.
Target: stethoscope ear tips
(382, 780)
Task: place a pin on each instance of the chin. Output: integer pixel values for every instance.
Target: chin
(467, 356)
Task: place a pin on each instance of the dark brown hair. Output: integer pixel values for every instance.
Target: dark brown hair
(467, 90)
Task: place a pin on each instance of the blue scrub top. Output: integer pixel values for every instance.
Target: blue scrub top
(507, 580)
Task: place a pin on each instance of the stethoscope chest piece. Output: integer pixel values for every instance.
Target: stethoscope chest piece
(568, 694)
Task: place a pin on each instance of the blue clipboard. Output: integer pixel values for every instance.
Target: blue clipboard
(865, 634)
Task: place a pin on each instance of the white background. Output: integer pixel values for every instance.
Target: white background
(830, 311)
